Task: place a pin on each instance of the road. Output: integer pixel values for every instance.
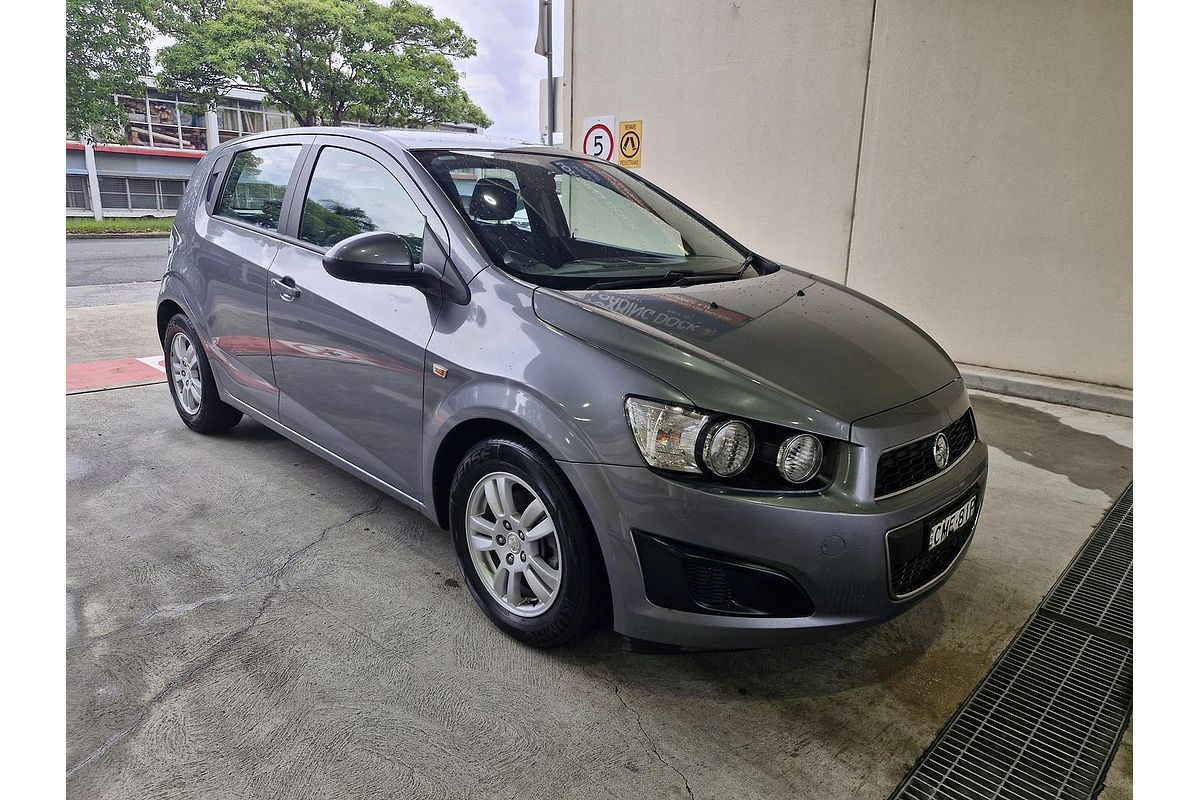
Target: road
(114, 271)
(92, 262)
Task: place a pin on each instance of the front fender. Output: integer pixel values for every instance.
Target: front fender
(513, 405)
(495, 360)
(497, 401)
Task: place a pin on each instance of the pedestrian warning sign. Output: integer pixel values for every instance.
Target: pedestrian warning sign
(629, 144)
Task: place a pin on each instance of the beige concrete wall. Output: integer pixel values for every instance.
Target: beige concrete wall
(751, 110)
(992, 202)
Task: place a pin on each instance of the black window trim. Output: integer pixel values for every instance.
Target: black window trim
(406, 169)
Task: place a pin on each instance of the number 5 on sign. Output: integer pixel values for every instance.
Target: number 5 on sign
(598, 136)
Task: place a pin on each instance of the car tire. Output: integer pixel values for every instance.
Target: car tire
(560, 542)
(190, 380)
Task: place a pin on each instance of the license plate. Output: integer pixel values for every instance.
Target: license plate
(939, 530)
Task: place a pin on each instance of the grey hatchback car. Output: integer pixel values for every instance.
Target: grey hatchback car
(620, 413)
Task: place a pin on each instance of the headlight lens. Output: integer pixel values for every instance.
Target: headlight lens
(799, 458)
(728, 447)
(665, 434)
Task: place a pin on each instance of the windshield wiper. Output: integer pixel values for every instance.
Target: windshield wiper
(746, 265)
(672, 277)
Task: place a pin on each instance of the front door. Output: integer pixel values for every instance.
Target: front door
(349, 358)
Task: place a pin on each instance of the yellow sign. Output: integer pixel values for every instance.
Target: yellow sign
(629, 144)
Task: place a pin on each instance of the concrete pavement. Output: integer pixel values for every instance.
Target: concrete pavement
(247, 620)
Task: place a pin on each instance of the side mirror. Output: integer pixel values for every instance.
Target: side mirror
(387, 258)
(373, 257)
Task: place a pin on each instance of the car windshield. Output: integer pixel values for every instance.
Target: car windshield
(572, 223)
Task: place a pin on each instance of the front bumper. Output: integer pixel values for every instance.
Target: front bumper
(833, 545)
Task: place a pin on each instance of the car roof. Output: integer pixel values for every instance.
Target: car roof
(412, 139)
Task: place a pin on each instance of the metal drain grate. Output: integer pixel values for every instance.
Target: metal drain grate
(1085, 593)
(1047, 718)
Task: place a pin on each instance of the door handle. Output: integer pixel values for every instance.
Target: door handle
(287, 288)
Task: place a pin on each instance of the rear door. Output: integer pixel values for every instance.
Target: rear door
(349, 358)
(238, 239)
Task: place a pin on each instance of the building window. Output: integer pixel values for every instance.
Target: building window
(113, 193)
(78, 196)
(164, 121)
(120, 193)
(170, 193)
(253, 122)
(194, 138)
(143, 194)
(157, 120)
(241, 117)
(137, 129)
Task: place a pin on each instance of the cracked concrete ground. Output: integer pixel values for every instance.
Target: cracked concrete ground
(245, 620)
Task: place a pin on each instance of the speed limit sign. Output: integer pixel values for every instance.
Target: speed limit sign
(598, 136)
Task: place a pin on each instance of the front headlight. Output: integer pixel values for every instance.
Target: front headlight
(799, 458)
(728, 447)
(666, 434)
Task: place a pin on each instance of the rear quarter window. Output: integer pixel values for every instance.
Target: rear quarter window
(257, 182)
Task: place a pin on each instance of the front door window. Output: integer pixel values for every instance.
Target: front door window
(349, 194)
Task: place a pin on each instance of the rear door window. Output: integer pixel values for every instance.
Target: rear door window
(257, 182)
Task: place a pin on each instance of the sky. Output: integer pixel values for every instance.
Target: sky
(503, 77)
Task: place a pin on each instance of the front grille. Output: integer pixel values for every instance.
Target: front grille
(909, 464)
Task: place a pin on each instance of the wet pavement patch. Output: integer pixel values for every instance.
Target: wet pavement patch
(1041, 440)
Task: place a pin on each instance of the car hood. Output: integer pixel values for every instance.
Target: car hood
(786, 347)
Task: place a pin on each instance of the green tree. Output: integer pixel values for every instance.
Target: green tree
(327, 222)
(325, 61)
(107, 54)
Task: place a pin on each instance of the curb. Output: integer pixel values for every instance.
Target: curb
(132, 235)
(1093, 396)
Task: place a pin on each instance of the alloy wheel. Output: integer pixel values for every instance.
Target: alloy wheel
(185, 373)
(514, 544)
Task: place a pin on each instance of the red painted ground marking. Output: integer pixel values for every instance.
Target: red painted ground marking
(94, 375)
